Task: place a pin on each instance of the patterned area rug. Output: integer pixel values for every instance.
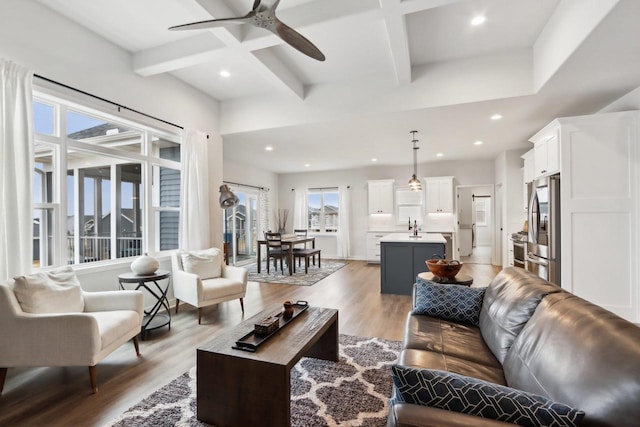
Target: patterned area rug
(352, 392)
(298, 278)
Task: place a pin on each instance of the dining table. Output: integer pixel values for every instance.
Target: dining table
(289, 241)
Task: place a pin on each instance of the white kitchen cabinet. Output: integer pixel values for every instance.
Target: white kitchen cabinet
(529, 174)
(380, 196)
(546, 152)
(439, 194)
(600, 209)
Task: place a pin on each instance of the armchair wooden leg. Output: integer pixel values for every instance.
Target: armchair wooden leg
(136, 345)
(199, 316)
(93, 377)
(177, 304)
(3, 375)
(241, 305)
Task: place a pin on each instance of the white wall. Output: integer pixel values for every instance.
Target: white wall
(508, 172)
(465, 172)
(54, 47)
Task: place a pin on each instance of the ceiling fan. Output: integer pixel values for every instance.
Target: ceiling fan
(263, 15)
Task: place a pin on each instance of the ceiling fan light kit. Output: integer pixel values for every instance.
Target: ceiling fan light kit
(414, 182)
(263, 15)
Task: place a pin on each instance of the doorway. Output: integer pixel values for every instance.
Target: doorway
(475, 223)
(241, 228)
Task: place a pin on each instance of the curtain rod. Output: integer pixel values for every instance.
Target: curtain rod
(108, 101)
(245, 185)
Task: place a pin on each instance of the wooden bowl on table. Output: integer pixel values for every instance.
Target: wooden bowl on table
(444, 268)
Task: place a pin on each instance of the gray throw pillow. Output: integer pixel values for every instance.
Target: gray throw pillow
(467, 395)
(449, 302)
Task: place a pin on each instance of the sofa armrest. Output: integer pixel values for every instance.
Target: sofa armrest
(113, 301)
(409, 415)
(237, 274)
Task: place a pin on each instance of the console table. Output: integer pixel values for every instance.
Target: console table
(152, 319)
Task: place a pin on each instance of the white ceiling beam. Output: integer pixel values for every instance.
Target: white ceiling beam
(398, 40)
(183, 53)
(280, 75)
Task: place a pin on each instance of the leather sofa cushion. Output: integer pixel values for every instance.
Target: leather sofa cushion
(510, 300)
(422, 359)
(453, 339)
(408, 415)
(577, 353)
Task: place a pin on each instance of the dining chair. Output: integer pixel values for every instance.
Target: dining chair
(275, 251)
(300, 233)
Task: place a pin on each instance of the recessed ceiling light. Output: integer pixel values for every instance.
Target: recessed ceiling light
(306, 165)
(478, 20)
(374, 160)
(439, 155)
(477, 143)
(225, 74)
(268, 148)
(496, 117)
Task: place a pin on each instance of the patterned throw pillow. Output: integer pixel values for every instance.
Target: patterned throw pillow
(459, 393)
(450, 302)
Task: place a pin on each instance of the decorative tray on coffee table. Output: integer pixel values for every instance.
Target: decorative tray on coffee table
(251, 341)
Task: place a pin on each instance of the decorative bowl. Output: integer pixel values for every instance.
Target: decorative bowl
(444, 268)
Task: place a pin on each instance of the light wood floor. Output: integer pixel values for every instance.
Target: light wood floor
(62, 396)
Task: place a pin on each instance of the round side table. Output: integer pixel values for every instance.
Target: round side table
(152, 319)
(459, 279)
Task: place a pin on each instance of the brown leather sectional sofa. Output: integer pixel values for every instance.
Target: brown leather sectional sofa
(546, 341)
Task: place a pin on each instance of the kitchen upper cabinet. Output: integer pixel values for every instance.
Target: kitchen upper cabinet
(546, 152)
(380, 196)
(439, 194)
(529, 173)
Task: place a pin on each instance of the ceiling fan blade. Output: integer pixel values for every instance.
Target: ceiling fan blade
(213, 23)
(297, 40)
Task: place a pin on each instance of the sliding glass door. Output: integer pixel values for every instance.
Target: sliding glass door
(241, 227)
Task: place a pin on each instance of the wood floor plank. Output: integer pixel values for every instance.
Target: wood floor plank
(62, 396)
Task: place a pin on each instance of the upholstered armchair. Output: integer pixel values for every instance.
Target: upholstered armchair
(201, 279)
(80, 333)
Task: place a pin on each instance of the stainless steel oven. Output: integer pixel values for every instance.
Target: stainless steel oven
(519, 250)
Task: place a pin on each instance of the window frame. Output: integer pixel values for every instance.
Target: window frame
(61, 145)
(323, 223)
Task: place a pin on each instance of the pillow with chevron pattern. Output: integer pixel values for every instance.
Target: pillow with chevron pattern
(467, 395)
(450, 302)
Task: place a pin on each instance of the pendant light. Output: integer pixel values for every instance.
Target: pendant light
(414, 182)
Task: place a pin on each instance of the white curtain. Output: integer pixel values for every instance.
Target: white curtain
(263, 202)
(300, 210)
(16, 170)
(195, 215)
(344, 231)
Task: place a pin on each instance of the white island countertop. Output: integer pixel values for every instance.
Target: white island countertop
(409, 238)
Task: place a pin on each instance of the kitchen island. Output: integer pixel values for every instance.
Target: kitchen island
(402, 258)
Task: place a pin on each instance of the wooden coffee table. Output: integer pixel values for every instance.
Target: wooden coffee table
(240, 388)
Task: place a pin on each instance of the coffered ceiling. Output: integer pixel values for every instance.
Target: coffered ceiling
(392, 66)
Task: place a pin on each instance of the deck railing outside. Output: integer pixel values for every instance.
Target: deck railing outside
(98, 248)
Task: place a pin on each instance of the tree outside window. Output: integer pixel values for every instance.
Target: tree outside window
(323, 210)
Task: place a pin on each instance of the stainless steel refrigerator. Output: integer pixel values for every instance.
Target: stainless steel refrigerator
(543, 243)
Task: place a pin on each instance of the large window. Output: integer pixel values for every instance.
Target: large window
(323, 210)
(118, 181)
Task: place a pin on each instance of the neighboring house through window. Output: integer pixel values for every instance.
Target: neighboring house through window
(323, 210)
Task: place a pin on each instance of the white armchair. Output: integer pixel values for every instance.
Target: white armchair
(83, 338)
(198, 292)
